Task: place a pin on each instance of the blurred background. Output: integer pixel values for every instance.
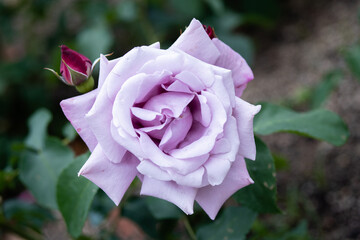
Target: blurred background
(304, 54)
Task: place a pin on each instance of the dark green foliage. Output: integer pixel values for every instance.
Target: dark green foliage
(319, 124)
(74, 195)
(162, 209)
(260, 196)
(233, 224)
(39, 171)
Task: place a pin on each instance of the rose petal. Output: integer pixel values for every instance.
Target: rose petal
(202, 70)
(244, 113)
(176, 61)
(170, 60)
(155, 45)
(127, 141)
(206, 141)
(135, 88)
(176, 131)
(158, 130)
(99, 120)
(221, 146)
(223, 88)
(230, 59)
(201, 111)
(195, 41)
(151, 170)
(113, 178)
(191, 80)
(128, 66)
(232, 137)
(211, 198)
(177, 86)
(239, 91)
(216, 170)
(173, 101)
(145, 114)
(192, 179)
(158, 157)
(105, 68)
(181, 196)
(75, 110)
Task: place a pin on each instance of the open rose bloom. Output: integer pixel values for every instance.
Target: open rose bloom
(173, 118)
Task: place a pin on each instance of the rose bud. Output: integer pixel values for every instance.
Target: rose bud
(75, 70)
(210, 31)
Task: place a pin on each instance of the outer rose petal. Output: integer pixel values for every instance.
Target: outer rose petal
(99, 120)
(113, 178)
(211, 198)
(244, 113)
(230, 59)
(181, 196)
(216, 170)
(75, 110)
(195, 41)
(105, 68)
(232, 137)
(128, 66)
(218, 165)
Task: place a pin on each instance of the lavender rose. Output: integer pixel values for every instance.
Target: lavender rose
(173, 118)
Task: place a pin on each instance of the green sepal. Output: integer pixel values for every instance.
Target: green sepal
(86, 86)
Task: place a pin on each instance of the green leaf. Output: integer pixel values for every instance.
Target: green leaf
(162, 209)
(233, 224)
(352, 58)
(39, 171)
(95, 40)
(320, 124)
(329, 82)
(260, 196)
(280, 162)
(38, 123)
(74, 196)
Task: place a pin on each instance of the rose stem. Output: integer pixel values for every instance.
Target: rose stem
(188, 227)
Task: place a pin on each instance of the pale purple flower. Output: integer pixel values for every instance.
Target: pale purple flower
(173, 118)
